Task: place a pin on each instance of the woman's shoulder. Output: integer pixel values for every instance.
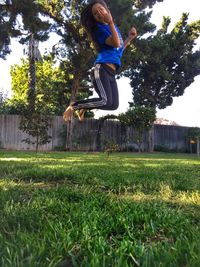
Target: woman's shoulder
(101, 26)
(102, 29)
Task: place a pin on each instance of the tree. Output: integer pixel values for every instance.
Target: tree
(6, 31)
(165, 64)
(74, 45)
(30, 30)
(36, 125)
(19, 19)
(51, 85)
(193, 135)
(3, 98)
(141, 118)
(73, 50)
(35, 121)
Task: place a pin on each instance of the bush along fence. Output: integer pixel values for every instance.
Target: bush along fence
(96, 135)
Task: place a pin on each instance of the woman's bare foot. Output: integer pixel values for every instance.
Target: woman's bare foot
(68, 113)
(80, 113)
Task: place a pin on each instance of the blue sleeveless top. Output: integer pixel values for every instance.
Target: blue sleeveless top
(107, 53)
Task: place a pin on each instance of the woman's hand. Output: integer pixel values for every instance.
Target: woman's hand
(106, 17)
(132, 34)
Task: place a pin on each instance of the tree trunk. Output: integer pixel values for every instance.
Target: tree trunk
(198, 147)
(37, 144)
(32, 74)
(139, 140)
(151, 139)
(70, 124)
(98, 137)
(139, 147)
(32, 71)
(190, 148)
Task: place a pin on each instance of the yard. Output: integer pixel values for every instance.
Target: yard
(90, 209)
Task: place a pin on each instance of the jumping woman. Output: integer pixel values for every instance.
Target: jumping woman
(106, 37)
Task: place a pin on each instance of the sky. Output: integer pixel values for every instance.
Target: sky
(185, 109)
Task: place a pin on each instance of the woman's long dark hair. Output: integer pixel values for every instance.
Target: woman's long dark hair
(88, 21)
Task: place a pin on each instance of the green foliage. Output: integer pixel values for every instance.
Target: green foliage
(111, 148)
(128, 14)
(4, 36)
(74, 50)
(193, 133)
(160, 66)
(2, 102)
(36, 126)
(35, 121)
(165, 64)
(20, 81)
(88, 210)
(29, 12)
(51, 87)
(145, 3)
(141, 118)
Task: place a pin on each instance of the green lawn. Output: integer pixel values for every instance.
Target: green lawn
(92, 210)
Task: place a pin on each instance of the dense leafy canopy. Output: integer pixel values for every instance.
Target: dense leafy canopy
(165, 64)
(19, 20)
(141, 118)
(160, 64)
(51, 85)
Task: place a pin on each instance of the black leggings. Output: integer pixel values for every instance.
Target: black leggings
(103, 79)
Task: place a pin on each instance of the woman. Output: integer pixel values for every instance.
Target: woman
(98, 23)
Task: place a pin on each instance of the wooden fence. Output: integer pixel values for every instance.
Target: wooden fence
(93, 135)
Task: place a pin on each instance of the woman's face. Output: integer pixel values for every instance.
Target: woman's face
(97, 11)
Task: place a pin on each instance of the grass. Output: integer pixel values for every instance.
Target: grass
(87, 209)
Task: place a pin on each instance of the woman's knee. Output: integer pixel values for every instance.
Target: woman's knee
(112, 106)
